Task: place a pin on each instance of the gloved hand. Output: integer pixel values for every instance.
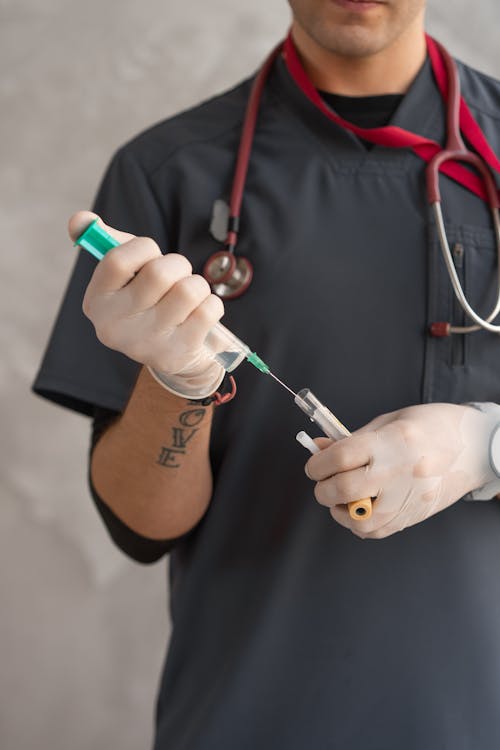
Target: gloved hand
(152, 308)
(416, 462)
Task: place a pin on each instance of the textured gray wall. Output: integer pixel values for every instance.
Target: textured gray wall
(82, 630)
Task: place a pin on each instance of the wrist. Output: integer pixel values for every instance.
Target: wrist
(191, 385)
(156, 396)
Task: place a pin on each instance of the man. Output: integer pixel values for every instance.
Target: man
(289, 630)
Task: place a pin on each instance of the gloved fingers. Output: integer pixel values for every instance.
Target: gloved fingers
(383, 524)
(120, 264)
(366, 528)
(181, 301)
(424, 459)
(80, 220)
(194, 329)
(154, 280)
(385, 519)
(393, 514)
(342, 456)
(359, 527)
(346, 486)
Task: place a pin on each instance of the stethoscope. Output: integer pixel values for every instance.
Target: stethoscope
(230, 276)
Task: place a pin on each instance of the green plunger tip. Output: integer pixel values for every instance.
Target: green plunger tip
(256, 361)
(96, 240)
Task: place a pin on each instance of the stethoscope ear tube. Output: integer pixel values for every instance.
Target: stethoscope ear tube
(481, 323)
(456, 151)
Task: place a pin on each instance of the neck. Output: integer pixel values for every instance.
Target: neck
(390, 71)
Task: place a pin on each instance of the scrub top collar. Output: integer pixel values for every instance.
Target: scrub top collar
(421, 111)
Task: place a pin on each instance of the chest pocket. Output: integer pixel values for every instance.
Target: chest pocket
(464, 367)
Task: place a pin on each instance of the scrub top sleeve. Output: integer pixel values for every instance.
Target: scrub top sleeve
(77, 371)
(132, 544)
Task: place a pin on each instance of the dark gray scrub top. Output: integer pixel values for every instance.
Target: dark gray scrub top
(288, 631)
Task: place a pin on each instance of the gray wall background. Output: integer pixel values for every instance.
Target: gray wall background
(83, 630)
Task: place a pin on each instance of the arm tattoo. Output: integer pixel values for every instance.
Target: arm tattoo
(181, 435)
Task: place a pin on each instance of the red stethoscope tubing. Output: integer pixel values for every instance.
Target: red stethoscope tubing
(245, 147)
(224, 280)
(455, 148)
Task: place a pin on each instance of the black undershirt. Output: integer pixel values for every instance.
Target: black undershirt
(363, 111)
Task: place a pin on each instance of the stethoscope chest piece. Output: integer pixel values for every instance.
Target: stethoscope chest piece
(228, 275)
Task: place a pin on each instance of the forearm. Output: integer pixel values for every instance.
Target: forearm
(151, 467)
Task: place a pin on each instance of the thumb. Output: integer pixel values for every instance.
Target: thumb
(323, 442)
(79, 222)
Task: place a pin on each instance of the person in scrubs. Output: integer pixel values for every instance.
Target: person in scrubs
(294, 625)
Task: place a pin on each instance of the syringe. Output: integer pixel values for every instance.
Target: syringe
(226, 348)
(229, 351)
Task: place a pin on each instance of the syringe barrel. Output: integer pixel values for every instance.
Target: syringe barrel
(227, 352)
(226, 348)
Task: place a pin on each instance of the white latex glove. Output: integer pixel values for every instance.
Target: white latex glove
(152, 308)
(416, 462)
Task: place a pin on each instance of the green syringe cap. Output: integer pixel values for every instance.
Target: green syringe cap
(96, 240)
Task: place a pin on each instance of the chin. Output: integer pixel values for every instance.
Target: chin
(352, 41)
(356, 43)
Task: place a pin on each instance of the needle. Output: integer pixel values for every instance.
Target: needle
(281, 383)
(259, 363)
